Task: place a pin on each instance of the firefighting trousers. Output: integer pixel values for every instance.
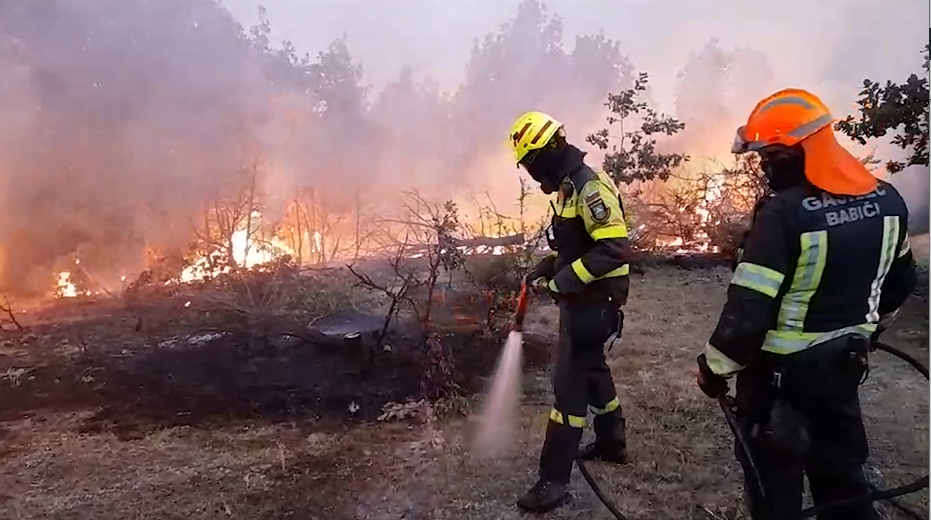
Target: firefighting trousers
(581, 381)
(801, 416)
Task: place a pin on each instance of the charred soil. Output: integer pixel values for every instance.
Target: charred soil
(156, 410)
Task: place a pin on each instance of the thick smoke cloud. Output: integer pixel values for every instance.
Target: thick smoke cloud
(124, 119)
(125, 114)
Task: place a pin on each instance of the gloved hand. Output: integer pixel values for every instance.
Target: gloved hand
(711, 384)
(536, 284)
(886, 321)
(539, 285)
(545, 268)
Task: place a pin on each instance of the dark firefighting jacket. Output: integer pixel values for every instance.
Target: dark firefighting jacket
(590, 239)
(815, 267)
(739, 250)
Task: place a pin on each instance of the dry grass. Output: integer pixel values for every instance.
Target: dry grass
(920, 245)
(682, 464)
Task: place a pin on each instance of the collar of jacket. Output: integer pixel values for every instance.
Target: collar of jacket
(573, 164)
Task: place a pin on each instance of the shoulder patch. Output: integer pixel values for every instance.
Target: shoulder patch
(600, 211)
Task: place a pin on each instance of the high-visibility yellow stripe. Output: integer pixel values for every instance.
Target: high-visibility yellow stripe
(790, 342)
(719, 363)
(906, 247)
(582, 272)
(570, 211)
(886, 256)
(574, 421)
(613, 231)
(612, 405)
(758, 278)
(566, 207)
(586, 277)
(808, 272)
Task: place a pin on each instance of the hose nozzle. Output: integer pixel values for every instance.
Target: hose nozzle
(521, 308)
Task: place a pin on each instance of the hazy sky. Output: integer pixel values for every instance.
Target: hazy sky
(830, 45)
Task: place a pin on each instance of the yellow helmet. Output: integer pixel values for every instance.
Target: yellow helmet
(532, 131)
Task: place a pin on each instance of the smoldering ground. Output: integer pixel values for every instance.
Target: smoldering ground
(123, 119)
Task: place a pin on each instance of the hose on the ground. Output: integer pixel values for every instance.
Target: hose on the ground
(592, 483)
(875, 495)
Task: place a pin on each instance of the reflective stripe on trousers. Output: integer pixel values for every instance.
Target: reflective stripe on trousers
(575, 421)
(612, 405)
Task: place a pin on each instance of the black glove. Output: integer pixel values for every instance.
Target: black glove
(545, 268)
(710, 383)
(540, 285)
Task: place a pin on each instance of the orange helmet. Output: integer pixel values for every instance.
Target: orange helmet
(794, 116)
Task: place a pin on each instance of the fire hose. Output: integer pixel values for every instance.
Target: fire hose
(518, 326)
(727, 407)
(874, 495)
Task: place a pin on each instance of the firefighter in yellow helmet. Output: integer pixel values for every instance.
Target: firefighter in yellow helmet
(825, 267)
(588, 276)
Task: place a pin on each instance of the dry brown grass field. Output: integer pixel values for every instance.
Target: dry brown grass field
(77, 442)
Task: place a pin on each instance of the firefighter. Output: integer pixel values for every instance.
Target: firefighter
(588, 277)
(825, 266)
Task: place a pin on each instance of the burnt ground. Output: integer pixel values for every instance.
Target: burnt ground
(81, 356)
(104, 416)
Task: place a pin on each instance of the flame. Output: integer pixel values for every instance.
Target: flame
(66, 289)
(701, 242)
(246, 252)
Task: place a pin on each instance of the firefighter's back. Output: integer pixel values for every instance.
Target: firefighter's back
(846, 246)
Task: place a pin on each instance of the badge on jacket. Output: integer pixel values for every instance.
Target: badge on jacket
(600, 211)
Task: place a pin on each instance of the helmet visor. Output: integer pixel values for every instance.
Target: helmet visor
(740, 144)
(743, 144)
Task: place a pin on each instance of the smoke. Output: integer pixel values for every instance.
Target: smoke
(124, 119)
(914, 186)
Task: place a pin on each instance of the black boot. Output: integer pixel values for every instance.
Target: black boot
(543, 497)
(556, 460)
(610, 444)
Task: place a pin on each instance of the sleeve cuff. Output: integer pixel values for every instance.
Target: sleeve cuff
(719, 363)
(566, 281)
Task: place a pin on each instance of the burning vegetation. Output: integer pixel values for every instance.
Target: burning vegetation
(241, 153)
(200, 228)
(251, 201)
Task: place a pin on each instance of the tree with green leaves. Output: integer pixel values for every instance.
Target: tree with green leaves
(635, 157)
(900, 109)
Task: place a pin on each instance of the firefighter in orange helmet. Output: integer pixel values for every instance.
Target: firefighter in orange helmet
(588, 277)
(825, 267)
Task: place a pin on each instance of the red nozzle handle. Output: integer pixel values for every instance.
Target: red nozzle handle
(521, 307)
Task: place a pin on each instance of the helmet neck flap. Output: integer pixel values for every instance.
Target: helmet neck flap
(551, 165)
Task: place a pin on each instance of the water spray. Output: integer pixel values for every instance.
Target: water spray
(502, 406)
(727, 406)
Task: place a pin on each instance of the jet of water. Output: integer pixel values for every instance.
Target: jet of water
(500, 416)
